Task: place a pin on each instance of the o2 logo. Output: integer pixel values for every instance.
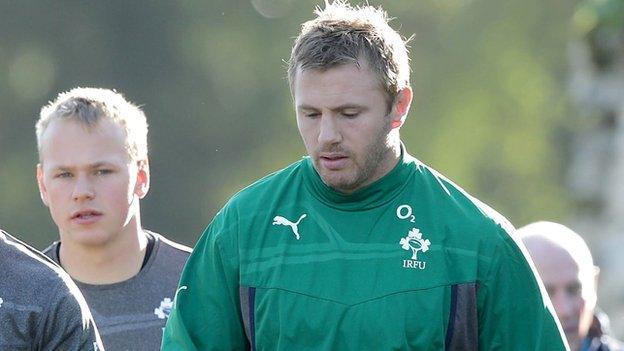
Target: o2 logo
(405, 212)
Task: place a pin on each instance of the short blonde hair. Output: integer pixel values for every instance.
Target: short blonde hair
(88, 106)
(342, 34)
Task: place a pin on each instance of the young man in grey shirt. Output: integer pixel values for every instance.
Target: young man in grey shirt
(40, 307)
(93, 171)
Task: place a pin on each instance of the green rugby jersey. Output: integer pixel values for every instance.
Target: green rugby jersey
(410, 262)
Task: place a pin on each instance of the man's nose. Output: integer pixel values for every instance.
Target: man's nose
(329, 130)
(564, 305)
(83, 189)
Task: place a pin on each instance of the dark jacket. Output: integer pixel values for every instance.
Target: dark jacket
(598, 338)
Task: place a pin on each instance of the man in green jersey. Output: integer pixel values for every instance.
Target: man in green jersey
(359, 246)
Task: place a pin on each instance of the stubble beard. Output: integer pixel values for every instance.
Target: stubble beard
(362, 173)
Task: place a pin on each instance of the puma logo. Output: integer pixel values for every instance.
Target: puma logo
(279, 220)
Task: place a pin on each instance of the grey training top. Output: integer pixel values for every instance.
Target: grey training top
(131, 315)
(40, 306)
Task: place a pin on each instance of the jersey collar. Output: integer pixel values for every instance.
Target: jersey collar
(376, 194)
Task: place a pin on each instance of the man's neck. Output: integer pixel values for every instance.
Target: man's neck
(112, 262)
(393, 156)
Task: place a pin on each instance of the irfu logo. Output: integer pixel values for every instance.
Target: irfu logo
(164, 309)
(415, 242)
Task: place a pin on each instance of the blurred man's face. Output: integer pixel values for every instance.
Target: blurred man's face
(571, 288)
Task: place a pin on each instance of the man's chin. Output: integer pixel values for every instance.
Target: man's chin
(94, 238)
(337, 182)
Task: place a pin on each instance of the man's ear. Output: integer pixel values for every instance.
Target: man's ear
(401, 106)
(43, 192)
(143, 179)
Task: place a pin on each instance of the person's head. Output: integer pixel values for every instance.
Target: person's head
(566, 267)
(93, 165)
(349, 77)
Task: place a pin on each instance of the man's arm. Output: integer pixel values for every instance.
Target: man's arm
(206, 312)
(515, 312)
(67, 323)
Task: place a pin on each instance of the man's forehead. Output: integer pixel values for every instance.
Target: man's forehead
(59, 127)
(72, 121)
(552, 259)
(549, 238)
(557, 264)
(334, 85)
(61, 147)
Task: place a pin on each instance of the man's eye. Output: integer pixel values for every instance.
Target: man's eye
(574, 290)
(312, 114)
(103, 171)
(350, 114)
(63, 175)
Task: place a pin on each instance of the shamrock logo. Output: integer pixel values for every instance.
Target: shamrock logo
(415, 242)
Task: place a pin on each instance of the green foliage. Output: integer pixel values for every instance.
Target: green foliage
(489, 81)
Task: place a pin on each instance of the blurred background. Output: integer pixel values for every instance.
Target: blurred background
(521, 102)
